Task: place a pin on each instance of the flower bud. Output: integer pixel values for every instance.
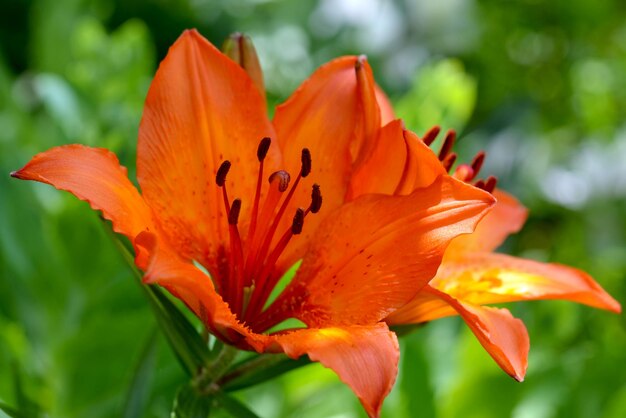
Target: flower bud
(239, 48)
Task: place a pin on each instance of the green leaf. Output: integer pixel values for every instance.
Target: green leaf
(12, 412)
(190, 404)
(415, 376)
(138, 393)
(24, 403)
(233, 406)
(188, 345)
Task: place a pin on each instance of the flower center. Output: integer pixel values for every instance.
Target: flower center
(249, 277)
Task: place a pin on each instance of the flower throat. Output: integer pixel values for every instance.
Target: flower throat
(250, 275)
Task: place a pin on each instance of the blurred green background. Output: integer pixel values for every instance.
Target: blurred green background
(540, 85)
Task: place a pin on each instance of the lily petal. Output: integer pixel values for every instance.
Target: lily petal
(375, 253)
(335, 115)
(386, 109)
(482, 278)
(383, 169)
(364, 357)
(507, 217)
(424, 307)
(195, 289)
(422, 165)
(504, 337)
(96, 176)
(202, 109)
(398, 164)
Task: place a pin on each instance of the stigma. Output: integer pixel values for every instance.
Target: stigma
(248, 278)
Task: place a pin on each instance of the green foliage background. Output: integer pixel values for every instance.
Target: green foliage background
(541, 85)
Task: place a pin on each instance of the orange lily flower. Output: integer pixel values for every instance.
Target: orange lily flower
(389, 210)
(471, 275)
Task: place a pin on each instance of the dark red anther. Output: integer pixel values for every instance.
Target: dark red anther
(233, 214)
(282, 177)
(316, 199)
(298, 222)
(449, 161)
(447, 145)
(490, 184)
(477, 164)
(480, 184)
(220, 177)
(306, 162)
(264, 146)
(431, 135)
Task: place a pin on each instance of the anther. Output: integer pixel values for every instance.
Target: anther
(477, 164)
(490, 184)
(233, 214)
(264, 146)
(282, 177)
(220, 177)
(316, 199)
(298, 222)
(449, 161)
(306, 162)
(431, 135)
(480, 184)
(447, 145)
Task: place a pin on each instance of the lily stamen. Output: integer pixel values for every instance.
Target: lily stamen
(279, 182)
(251, 264)
(265, 282)
(316, 200)
(490, 184)
(448, 162)
(447, 145)
(477, 164)
(431, 135)
(261, 153)
(220, 180)
(305, 170)
(236, 249)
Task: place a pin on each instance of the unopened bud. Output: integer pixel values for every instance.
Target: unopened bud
(239, 48)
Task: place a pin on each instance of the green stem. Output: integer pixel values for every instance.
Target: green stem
(206, 381)
(252, 366)
(259, 370)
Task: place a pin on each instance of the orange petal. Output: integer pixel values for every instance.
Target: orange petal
(93, 175)
(482, 278)
(507, 217)
(195, 289)
(422, 165)
(383, 169)
(424, 307)
(364, 357)
(335, 115)
(504, 337)
(202, 109)
(375, 253)
(398, 164)
(386, 109)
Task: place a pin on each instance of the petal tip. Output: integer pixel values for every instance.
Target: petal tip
(614, 306)
(361, 60)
